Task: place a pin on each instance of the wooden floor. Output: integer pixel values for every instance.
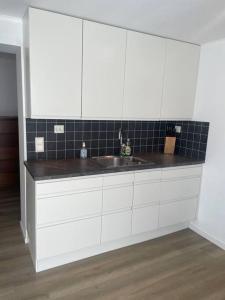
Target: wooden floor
(179, 266)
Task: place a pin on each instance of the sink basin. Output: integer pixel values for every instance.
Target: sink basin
(117, 161)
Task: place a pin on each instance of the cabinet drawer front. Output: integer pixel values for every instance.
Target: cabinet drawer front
(117, 198)
(55, 187)
(179, 190)
(68, 237)
(177, 212)
(60, 208)
(146, 193)
(116, 226)
(147, 176)
(182, 172)
(118, 179)
(145, 219)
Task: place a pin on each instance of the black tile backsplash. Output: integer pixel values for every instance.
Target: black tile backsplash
(101, 137)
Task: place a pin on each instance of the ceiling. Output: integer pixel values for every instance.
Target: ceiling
(197, 21)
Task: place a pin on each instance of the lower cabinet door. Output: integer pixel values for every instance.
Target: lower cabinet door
(68, 237)
(146, 193)
(177, 212)
(180, 189)
(116, 226)
(145, 219)
(117, 198)
(66, 207)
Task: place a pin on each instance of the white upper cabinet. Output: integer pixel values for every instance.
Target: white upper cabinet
(145, 59)
(77, 68)
(55, 48)
(181, 71)
(103, 71)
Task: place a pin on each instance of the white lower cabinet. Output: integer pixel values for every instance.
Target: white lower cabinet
(116, 226)
(180, 189)
(50, 210)
(68, 237)
(117, 198)
(63, 187)
(70, 219)
(177, 212)
(145, 219)
(146, 193)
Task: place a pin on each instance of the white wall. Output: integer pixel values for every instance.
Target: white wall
(210, 106)
(8, 85)
(10, 31)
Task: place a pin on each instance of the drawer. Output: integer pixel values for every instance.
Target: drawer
(180, 189)
(177, 212)
(147, 176)
(116, 226)
(66, 186)
(146, 193)
(145, 219)
(60, 208)
(181, 172)
(118, 179)
(68, 237)
(117, 198)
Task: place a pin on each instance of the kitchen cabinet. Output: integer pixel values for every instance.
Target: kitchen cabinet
(117, 198)
(146, 193)
(145, 219)
(117, 192)
(177, 212)
(103, 71)
(54, 62)
(145, 59)
(180, 188)
(181, 70)
(72, 218)
(117, 206)
(116, 226)
(68, 237)
(82, 69)
(76, 206)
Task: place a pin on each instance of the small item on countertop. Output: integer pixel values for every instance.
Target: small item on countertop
(128, 148)
(83, 151)
(170, 140)
(123, 150)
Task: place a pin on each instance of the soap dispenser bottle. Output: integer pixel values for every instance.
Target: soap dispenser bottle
(128, 148)
(83, 151)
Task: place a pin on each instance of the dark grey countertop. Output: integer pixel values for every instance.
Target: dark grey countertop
(55, 169)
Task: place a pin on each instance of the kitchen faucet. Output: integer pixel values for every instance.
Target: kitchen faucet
(120, 137)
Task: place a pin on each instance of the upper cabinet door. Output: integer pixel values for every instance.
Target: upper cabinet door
(145, 59)
(181, 71)
(103, 71)
(55, 43)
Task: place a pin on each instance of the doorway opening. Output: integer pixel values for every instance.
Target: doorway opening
(9, 142)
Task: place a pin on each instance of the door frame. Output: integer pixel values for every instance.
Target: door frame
(18, 51)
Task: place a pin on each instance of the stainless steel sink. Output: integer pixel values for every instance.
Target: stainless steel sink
(118, 161)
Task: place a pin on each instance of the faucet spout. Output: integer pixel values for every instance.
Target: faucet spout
(120, 137)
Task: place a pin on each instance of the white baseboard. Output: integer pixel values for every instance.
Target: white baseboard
(197, 228)
(51, 262)
(24, 232)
